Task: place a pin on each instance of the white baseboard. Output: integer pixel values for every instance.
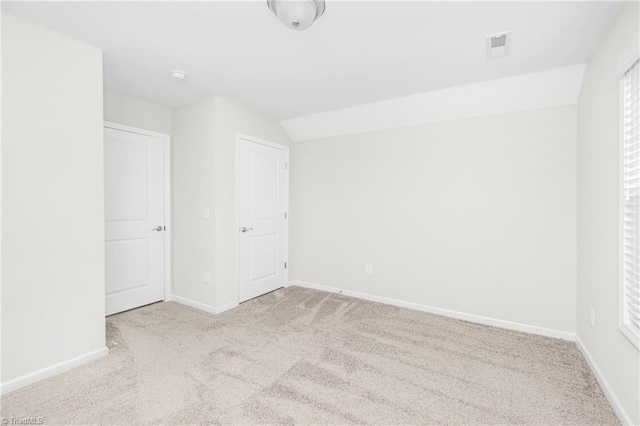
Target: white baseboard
(203, 307)
(559, 334)
(606, 388)
(53, 370)
(227, 307)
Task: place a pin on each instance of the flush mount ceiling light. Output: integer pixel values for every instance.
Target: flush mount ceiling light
(297, 14)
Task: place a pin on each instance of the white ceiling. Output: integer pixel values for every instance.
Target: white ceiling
(522, 92)
(358, 52)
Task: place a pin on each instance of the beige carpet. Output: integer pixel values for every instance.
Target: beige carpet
(309, 357)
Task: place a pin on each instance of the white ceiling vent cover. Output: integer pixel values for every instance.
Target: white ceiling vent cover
(498, 45)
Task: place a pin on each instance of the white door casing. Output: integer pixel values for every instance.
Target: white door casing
(134, 206)
(263, 189)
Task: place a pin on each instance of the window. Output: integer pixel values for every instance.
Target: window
(630, 280)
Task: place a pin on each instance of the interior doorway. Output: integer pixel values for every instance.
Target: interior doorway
(137, 208)
(263, 204)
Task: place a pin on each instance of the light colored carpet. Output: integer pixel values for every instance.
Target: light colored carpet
(299, 356)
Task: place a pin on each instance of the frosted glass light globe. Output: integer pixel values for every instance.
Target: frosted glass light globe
(297, 14)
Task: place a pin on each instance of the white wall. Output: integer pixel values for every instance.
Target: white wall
(123, 109)
(192, 174)
(598, 215)
(475, 215)
(204, 174)
(52, 206)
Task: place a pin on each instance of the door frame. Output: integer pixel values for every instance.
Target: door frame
(166, 139)
(285, 148)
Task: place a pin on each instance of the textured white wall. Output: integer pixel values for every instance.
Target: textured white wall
(598, 215)
(123, 109)
(475, 215)
(52, 199)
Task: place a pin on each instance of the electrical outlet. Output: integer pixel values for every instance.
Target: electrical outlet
(205, 277)
(592, 318)
(206, 213)
(368, 270)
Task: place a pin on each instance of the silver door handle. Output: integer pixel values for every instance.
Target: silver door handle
(246, 229)
(157, 228)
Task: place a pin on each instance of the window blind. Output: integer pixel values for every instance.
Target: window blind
(630, 315)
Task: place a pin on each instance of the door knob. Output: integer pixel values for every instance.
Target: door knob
(246, 229)
(157, 228)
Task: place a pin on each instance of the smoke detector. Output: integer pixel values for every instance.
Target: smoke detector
(178, 74)
(498, 45)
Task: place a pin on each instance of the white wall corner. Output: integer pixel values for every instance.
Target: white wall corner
(478, 319)
(53, 370)
(628, 58)
(226, 307)
(204, 307)
(604, 384)
(544, 89)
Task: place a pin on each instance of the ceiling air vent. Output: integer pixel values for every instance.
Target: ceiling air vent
(498, 45)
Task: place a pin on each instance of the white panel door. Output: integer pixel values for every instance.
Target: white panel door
(263, 196)
(134, 219)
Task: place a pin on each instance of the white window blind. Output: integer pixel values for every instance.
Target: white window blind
(630, 294)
